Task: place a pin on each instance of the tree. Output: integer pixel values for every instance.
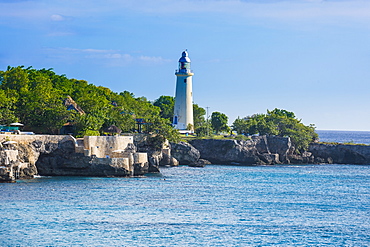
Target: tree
(7, 108)
(166, 104)
(278, 122)
(204, 130)
(162, 128)
(89, 124)
(198, 114)
(240, 125)
(219, 122)
(35, 98)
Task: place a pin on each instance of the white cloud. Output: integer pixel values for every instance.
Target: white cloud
(111, 58)
(153, 59)
(57, 18)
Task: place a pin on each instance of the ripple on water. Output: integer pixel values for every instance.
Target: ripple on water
(214, 206)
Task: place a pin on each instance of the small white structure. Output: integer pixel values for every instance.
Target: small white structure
(118, 150)
(106, 146)
(183, 111)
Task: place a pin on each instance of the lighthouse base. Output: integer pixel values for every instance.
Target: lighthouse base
(184, 132)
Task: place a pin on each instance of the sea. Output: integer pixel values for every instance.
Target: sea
(218, 205)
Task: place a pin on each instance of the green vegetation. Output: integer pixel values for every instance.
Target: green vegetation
(219, 122)
(344, 143)
(166, 104)
(35, 98)
(279, 123)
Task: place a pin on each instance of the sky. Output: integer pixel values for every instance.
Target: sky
(311, 57)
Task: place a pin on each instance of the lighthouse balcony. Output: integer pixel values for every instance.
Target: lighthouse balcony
(184, 71)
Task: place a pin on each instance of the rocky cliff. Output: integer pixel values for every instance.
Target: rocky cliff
(260, 150)
(264, 150)
(158, 154)
(64, 161)
(58, 155)
(340, 153)
(26, 156)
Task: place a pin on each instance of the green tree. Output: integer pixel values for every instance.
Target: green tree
(204, 130)
(35, 100)
(240, 125)
(35, 97)
(166, 104)
(198, 114)
(7, 108)
(219, 122)
(278, 122)
(89, 124)
(162, 128)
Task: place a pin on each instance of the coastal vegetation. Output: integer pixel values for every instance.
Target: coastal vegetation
(278, 123)
(35, 98)
(38, 99)
(344, 143)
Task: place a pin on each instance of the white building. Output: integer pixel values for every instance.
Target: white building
(183, 111)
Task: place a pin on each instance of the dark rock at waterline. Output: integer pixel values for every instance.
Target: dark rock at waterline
(256, 151)
(340, 153)
(63, 161)
(185, 153)
(200, 163)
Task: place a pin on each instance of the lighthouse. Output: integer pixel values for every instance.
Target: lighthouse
(183, 111)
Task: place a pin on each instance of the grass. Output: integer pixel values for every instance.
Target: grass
(344, 143)
(187, 138)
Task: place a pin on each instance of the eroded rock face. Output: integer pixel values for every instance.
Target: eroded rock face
(227, 151)
(340, 154)
(260, 150)
(156, 156)
(29, 148)
(49, 155)
(63, 161)
(281, 146)
(185, 153)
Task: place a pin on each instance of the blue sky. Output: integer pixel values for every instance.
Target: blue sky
(311, 57)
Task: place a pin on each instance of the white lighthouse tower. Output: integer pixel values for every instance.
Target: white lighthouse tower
(183, 111)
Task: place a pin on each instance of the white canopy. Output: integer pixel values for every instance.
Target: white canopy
(9, 142)
(16, 124)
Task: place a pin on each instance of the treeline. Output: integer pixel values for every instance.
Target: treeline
(35, 98)
(278, 123)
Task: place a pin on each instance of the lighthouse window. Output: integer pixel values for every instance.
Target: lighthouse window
(185, 80)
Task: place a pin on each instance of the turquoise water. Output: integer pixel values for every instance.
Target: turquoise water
(309, 205)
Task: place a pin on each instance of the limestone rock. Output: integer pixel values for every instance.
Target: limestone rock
(340, 153)
(200, 163)
(281, 146)
(228, 151)
(185, 153)
(304, 158)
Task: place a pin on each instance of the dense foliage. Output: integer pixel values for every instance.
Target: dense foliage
(219, 122)
(35, 98)
(167, 104)
(279, 123)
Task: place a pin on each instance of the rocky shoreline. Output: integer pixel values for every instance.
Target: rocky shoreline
(65, 156)
(271, 150)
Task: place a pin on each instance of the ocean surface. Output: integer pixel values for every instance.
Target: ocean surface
(283, 205)
(344, 136)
